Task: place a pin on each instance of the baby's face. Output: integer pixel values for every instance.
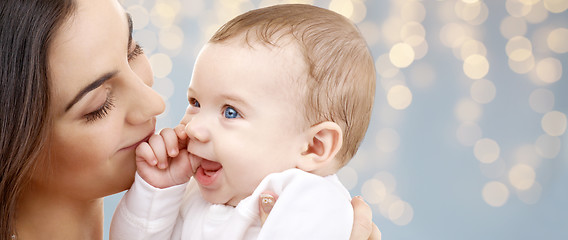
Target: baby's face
(245, 117)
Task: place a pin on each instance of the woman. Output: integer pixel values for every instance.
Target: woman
(76, 100)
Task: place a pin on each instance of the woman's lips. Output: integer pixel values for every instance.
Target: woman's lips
(133, 146)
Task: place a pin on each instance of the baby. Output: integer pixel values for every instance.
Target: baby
(279, 100)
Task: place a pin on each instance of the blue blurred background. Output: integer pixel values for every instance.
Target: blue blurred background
(468, 136)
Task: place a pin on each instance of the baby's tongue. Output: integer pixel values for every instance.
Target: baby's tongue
(210, 167)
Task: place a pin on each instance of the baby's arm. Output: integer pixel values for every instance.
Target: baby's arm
(163, 161)
(146, 212)
(150, 209)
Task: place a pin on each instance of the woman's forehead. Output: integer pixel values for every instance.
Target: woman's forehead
(91, 42)
(91, 19)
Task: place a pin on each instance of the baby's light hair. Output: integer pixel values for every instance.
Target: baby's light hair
(340, 85)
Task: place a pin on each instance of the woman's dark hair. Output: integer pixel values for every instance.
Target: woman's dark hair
(26, 29)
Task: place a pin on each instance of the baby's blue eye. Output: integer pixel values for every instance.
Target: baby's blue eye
(230, 112)
(194, 102)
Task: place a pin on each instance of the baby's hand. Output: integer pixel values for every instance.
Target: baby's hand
(163, 161)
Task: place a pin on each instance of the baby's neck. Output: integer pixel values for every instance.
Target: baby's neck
(324, 172)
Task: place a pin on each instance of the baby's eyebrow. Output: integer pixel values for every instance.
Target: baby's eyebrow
(236, 99)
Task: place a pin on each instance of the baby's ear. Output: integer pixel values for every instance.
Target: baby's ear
(324, 140)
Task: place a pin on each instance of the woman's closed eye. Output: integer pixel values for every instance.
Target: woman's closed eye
(230, 112)
(102, 111)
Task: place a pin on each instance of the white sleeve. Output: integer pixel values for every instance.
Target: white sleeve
(146, 212)
(309, 207)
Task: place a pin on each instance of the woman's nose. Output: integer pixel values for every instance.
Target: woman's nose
(197, 128)
(147, 103)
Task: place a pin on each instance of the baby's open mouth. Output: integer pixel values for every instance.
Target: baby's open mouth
(206, 171)
(210, 167)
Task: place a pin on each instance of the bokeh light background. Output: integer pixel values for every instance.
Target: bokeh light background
(468, 135)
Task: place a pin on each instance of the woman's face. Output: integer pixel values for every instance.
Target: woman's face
(102, 103)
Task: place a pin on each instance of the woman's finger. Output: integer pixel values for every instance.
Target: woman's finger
(363, 226)
(266, 201)
(376, 234)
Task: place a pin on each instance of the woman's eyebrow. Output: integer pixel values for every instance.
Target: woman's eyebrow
(95, 84)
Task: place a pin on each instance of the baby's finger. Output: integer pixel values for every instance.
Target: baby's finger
(159, 148)
(182, 136)
(144, 153)
(171, 141)
(180, 131)
(180, 167)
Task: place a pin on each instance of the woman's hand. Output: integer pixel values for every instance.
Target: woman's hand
(363, 226)
(266, 201)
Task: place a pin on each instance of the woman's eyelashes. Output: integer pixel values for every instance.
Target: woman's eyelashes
(102, 111)
(135, 52)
